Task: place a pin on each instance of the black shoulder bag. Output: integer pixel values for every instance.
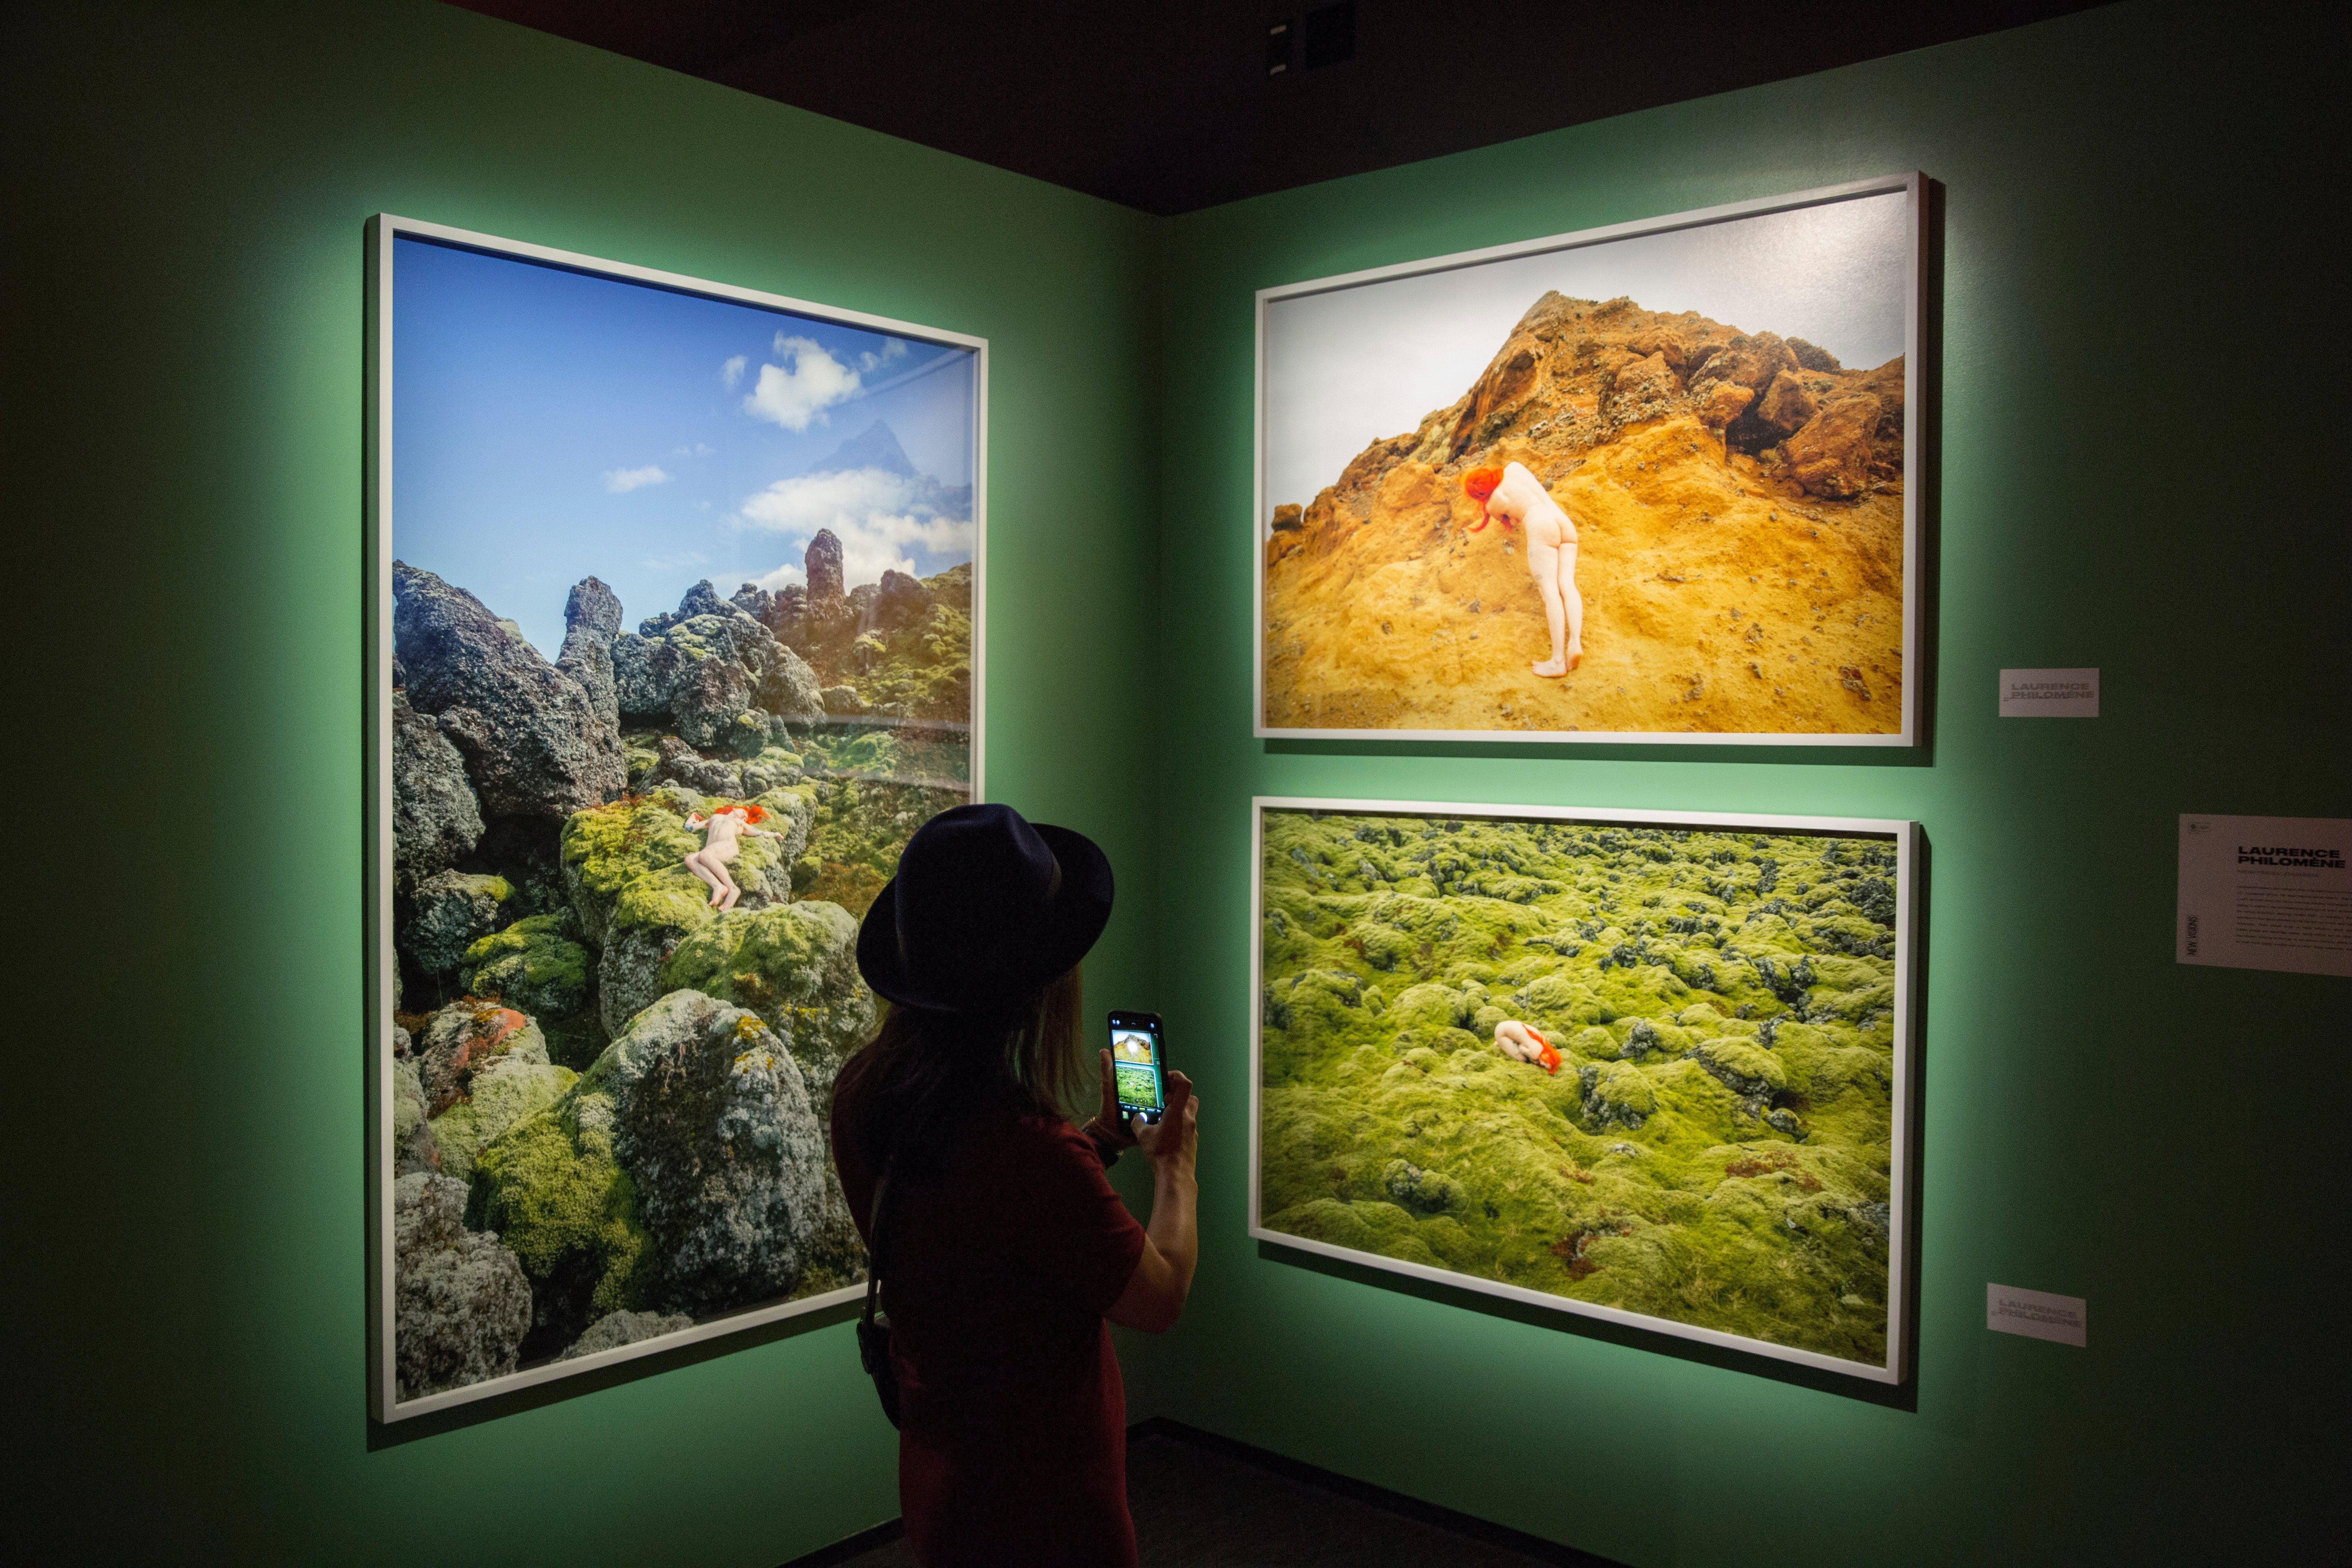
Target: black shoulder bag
(874, 1327)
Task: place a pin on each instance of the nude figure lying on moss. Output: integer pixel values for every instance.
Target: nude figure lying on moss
(720, 846)
(1523, 1043)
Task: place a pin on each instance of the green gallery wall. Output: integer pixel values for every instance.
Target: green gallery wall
(2124, 210)
(184, 423)
(2132, 446)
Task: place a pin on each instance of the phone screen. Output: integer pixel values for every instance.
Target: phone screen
(1135, 1063)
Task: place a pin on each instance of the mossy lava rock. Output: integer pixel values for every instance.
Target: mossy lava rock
(461, 1304)
(625, 870)
(795, 965)
(713, 1123)
(532, 966)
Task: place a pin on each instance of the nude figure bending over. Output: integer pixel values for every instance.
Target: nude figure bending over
(1512, 494)
(720, 846)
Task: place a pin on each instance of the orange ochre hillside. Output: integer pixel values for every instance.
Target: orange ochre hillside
(1739, 505)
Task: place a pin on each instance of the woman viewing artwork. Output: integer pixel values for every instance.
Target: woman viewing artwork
(1001, 1248)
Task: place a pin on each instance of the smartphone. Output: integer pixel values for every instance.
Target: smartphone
(1137, 1066)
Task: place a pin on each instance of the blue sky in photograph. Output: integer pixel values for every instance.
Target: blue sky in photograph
(1350, 366)
(550, 426)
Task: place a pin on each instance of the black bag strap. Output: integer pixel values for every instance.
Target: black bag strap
(872, 1327)
(874, 1247)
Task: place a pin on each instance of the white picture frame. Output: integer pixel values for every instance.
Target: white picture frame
(379, 522)
(1904, 837)
(1911, 186)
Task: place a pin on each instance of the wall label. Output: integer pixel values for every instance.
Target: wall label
(2265, 892)
(2049, 693)
(2037, 1314)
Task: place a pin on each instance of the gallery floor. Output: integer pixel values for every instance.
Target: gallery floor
(1201, 1501)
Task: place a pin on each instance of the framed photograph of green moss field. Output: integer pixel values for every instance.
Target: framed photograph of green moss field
(675, 629)
(1645, 1067)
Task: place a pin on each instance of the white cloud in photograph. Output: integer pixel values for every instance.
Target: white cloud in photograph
(731, 372)
(785, 576)
(870, 362)
(878, 516)
(808, 382)
(621, 481)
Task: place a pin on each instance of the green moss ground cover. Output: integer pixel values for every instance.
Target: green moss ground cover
(860, 828)
(1715, 1147)
(921, 669)
(551, 1188)
(624, 863)
(916, 755)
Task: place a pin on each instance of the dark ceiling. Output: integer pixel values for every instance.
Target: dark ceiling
(1169, 107)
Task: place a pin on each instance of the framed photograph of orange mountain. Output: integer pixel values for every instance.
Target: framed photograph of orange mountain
(1651, 482)
(674, 626)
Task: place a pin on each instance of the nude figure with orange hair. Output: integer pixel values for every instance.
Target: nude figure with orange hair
(1511, 494)
(723, 831)
(1525, 1043)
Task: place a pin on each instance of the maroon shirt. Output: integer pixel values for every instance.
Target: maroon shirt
(1012, 1449)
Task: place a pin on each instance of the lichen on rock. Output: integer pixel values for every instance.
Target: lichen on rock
(795, 965)
(625, 866)
(712, 1121)
(532, 966)
(465, 1036)
(533, 740)
(460, 1303)
(451, 911)
(553, 1189)
(435, 820)
(614, 1330)
(499, 1095)
(591, 620)
(682, 1172)
(413, 1151)
(701, 670)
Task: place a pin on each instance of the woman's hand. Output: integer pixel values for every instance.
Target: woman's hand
(1176, 1136)
(1155, 1294)
(1108, 1126)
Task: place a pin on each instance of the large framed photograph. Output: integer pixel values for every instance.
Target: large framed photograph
(1653, 482)
(1645, 1067)
(674, 637)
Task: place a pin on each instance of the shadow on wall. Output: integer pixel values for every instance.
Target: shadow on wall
(1902, 1397)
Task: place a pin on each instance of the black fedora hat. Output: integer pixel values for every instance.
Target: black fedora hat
(985, 908)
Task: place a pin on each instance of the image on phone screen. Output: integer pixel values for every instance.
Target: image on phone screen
(1135, 1067)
